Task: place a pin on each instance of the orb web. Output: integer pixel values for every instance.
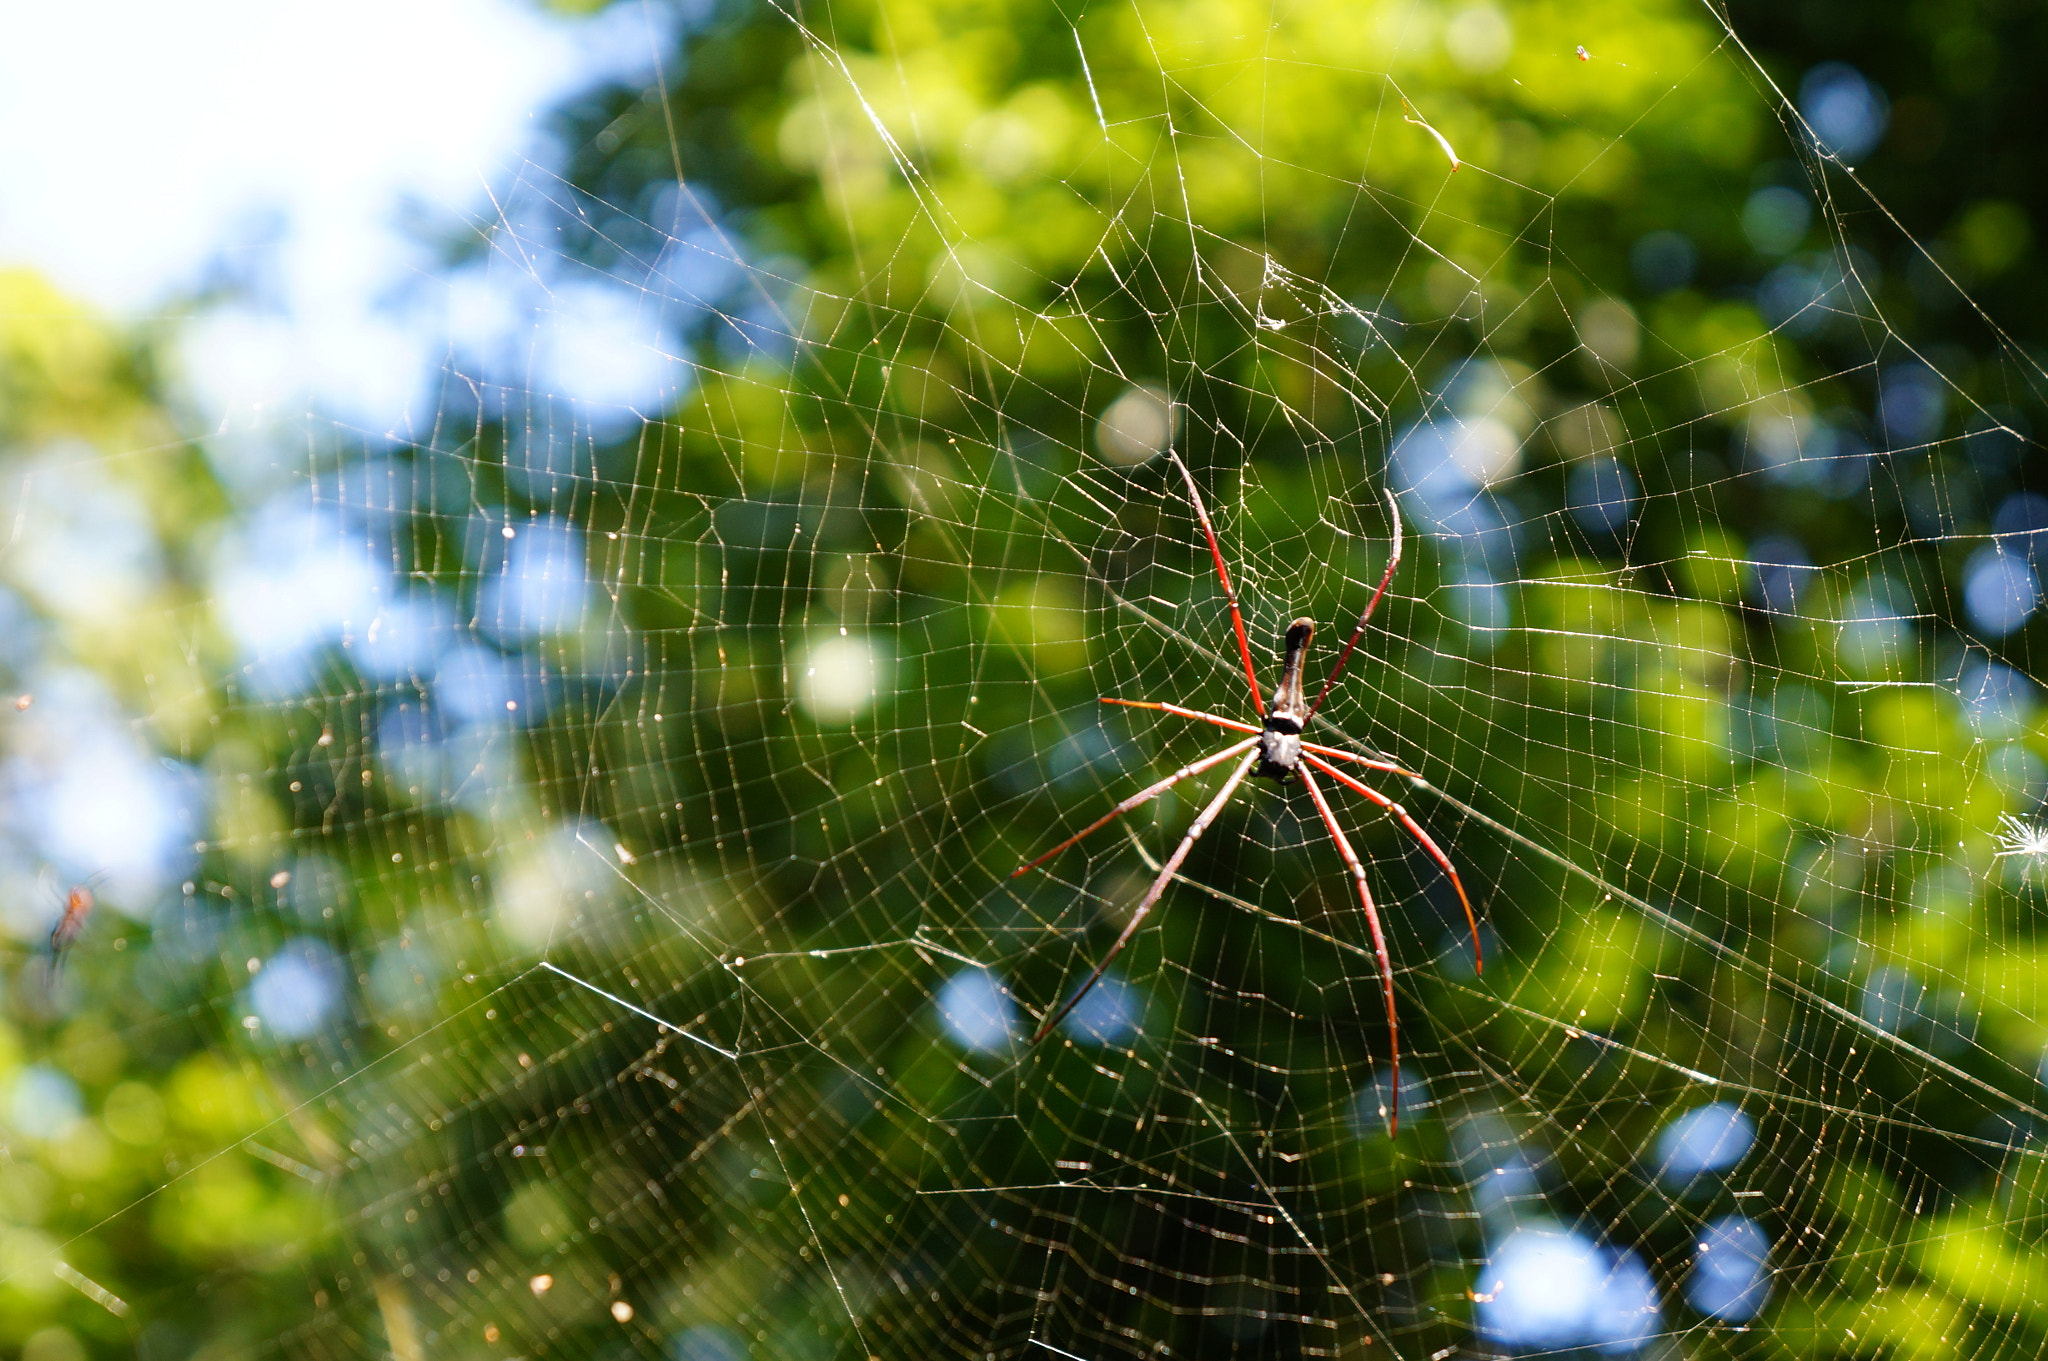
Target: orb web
(620, 914)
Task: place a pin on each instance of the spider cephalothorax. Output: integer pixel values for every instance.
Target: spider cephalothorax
(1276, 750)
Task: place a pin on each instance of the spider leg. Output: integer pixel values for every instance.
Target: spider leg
(1436, 852)
(1343, 755)
(1142, 796)
(1244, 648)
(1379, 947)
(1152, 894)
(1184, 713)
(1393, 561)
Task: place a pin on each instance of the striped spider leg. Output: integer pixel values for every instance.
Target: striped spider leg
(1274, 750)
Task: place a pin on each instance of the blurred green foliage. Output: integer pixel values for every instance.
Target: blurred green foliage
(979, 243)
(130, 1103)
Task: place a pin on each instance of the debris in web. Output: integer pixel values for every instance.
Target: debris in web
(1442, 141)
(2028, 841)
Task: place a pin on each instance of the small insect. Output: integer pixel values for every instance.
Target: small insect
(1584, 55)
(78, 905)
(2019, 837)
(1276, 751)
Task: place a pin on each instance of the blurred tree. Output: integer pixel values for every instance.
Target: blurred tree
(946, 259)
(137, 1215)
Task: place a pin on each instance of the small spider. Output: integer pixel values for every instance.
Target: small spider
(78, 905)
(2019, 837)
(1276, 751)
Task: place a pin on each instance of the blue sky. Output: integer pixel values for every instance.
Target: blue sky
(302, 166)
(271, 191)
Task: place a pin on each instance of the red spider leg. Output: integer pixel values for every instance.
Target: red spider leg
(1244, 647)
(1145, 795)
(1393, 561)
(1152, 894)
(1379, 947)
(1184, 713)
(1368, 761)
(1436, 852)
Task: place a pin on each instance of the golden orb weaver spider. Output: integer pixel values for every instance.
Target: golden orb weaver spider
(1275, 750)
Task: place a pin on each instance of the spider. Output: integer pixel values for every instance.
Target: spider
(1275, 751)
(78, 905)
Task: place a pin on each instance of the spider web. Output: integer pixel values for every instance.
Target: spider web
(683, 986)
